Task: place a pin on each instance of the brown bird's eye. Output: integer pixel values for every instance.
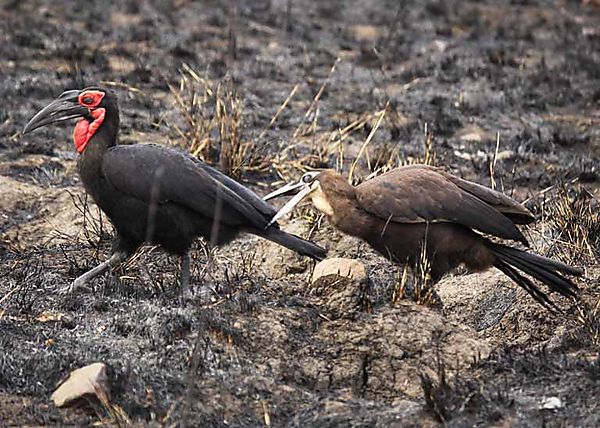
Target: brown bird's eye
(88, 100)
(307, 178)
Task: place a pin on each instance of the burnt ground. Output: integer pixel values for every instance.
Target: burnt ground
(258, 345)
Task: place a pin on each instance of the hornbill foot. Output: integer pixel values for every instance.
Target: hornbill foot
(81, 282)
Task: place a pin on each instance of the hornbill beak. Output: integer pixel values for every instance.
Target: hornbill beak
(291, 204)
(302, 188)
(288, 189)
(65, 107)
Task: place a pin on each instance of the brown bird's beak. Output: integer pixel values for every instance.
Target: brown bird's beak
(65, 107)
(288, 189)
(301, 188)
(294, 187)
(291, 204)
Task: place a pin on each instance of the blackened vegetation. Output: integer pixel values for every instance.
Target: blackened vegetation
(257, 345)
(446, 395)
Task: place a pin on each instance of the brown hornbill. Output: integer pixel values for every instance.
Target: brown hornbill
(155, 194)
(421, 209)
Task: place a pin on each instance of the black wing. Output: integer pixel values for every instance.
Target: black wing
(174, 176)
(418, 194)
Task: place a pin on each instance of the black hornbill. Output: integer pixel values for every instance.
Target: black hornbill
(422, 208)
(155, 194)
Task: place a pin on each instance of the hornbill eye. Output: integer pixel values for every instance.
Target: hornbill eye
(91, 98)
(307, 178)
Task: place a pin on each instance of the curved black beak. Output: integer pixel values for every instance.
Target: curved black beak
(65, 107)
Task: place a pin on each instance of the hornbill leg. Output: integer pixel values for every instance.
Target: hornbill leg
(82, 281)
(185, 273)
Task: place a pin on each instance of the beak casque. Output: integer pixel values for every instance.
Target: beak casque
(65, 107)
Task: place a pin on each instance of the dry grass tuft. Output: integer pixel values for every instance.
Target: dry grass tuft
(423, 292)
(312, 147)
(114, 415)
(429, 156)
(399, 290)
(380, 117)
(95, 229)
(387, 157)
(588, 315)
(212, 124)
(576, 218)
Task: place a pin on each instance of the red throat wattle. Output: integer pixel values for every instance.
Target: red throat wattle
(84, 130)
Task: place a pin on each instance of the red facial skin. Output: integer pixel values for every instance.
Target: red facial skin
(84, 130)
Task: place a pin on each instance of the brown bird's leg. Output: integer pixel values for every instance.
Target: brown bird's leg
(82, 281)
(185, 274)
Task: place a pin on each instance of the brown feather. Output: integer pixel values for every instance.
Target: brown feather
(418, 207)
(421, 194)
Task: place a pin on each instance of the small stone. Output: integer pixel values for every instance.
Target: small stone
(340, 288)
(47, 316)
(86, 381)
(551, 403)
(474, 134)
(339, 266)
(473, 137)
(121, 64)
(365, 33)
(504, 155)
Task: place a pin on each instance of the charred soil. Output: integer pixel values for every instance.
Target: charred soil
(505, 93)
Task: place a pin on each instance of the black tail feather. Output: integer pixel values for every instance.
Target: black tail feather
(552, 278)
(527, 285)
(541, 261)
(294, 243)
(541, 268)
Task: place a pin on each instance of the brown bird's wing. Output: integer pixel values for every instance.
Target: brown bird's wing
(506, 205)
(420, 194)
(141, 169)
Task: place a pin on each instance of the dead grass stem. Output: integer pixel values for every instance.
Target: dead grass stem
(211, 126)
(588, 315)
(380, 115)
(422, 288)
(575, 216)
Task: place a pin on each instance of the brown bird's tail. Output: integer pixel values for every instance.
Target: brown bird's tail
(294, 243)
(548, 271)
